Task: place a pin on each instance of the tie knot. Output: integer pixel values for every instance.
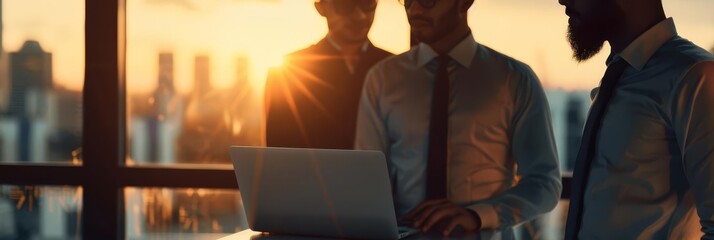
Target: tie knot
(443, 60)
(614, 71)
(439, 62)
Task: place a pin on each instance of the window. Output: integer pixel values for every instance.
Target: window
(169, 213)
(40, 212)
(142, 67)
(41, 66)
(196, 71)
(41, 78)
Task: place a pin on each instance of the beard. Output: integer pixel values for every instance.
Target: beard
(587, 38)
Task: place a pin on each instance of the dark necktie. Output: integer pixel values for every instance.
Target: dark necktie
(438, 132)
(581, 172)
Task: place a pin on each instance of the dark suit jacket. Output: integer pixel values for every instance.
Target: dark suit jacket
(312, 100)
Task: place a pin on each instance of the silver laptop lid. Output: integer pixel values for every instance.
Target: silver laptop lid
(332, 193)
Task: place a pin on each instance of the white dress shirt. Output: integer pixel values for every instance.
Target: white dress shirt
(654, 159)
(502, 159)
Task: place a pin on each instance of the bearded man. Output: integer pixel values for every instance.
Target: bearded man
(645, 169)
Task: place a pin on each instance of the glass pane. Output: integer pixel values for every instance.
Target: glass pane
(163, 213)
(569, 110)
(40, 212)
(196, 70)
(41, 77)
(534, 32)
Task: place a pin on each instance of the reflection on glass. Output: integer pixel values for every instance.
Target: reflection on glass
(167, 126)
(182, 213)
(568, 109)
(34, 212)
(41, 72)
(196, 71)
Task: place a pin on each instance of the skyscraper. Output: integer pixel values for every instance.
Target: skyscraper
(168, 110)
(166, 71)
(242, 73)
(1, 30)
(202, 84)
(31, 75)
(575, 121)
(28, 112)
(205, 130)
(4, 76)
(165, 91)
(242, 102)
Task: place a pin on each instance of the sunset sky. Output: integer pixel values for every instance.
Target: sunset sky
(532, 31)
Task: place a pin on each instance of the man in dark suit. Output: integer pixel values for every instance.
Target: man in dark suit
(312, 100)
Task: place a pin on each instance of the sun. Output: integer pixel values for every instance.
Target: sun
(268, 60)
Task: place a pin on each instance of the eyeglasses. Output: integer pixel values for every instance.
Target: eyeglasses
(423, 3)
(347, 7)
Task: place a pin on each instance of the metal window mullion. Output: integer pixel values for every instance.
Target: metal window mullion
(103, 203)
(177, 178)
(41, 175)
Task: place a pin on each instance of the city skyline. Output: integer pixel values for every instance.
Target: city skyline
(265, 30)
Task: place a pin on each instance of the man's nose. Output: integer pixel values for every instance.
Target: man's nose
(564, 2)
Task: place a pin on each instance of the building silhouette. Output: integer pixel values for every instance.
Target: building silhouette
(156, 118)
(1, 29)
(202, 76)
(242, 103)
(574, 124)
(30, 75)
(26, 120)
(165, 91)
(4, 71)
(206, 131)
(41, 123)
(568, 109)
(568, 112)
(65, 124)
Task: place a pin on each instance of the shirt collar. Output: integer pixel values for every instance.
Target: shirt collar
(337, 46)
(463, 53)
(643, 47)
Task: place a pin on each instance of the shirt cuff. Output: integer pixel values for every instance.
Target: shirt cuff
(489, 217)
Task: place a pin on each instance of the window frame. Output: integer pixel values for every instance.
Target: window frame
(104, 175)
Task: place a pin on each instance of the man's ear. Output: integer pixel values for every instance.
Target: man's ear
(320, 8)
(625, 6)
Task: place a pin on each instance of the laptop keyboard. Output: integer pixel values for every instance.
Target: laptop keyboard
(405, 231)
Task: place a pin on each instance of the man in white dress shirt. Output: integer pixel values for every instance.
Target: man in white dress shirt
(466, 130)
(646, 165)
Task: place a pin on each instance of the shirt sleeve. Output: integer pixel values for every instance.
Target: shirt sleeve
(371, 132)
(693, 120)
(539, 184)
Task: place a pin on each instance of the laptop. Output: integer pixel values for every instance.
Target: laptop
(317, 192)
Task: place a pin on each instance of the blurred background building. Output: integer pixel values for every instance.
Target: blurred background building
(194, 81)
(41, 121)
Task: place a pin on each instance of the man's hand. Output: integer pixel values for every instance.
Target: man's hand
(446, 214)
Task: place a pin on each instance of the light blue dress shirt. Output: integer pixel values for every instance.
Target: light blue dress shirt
(502, 159)
(653, 172)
